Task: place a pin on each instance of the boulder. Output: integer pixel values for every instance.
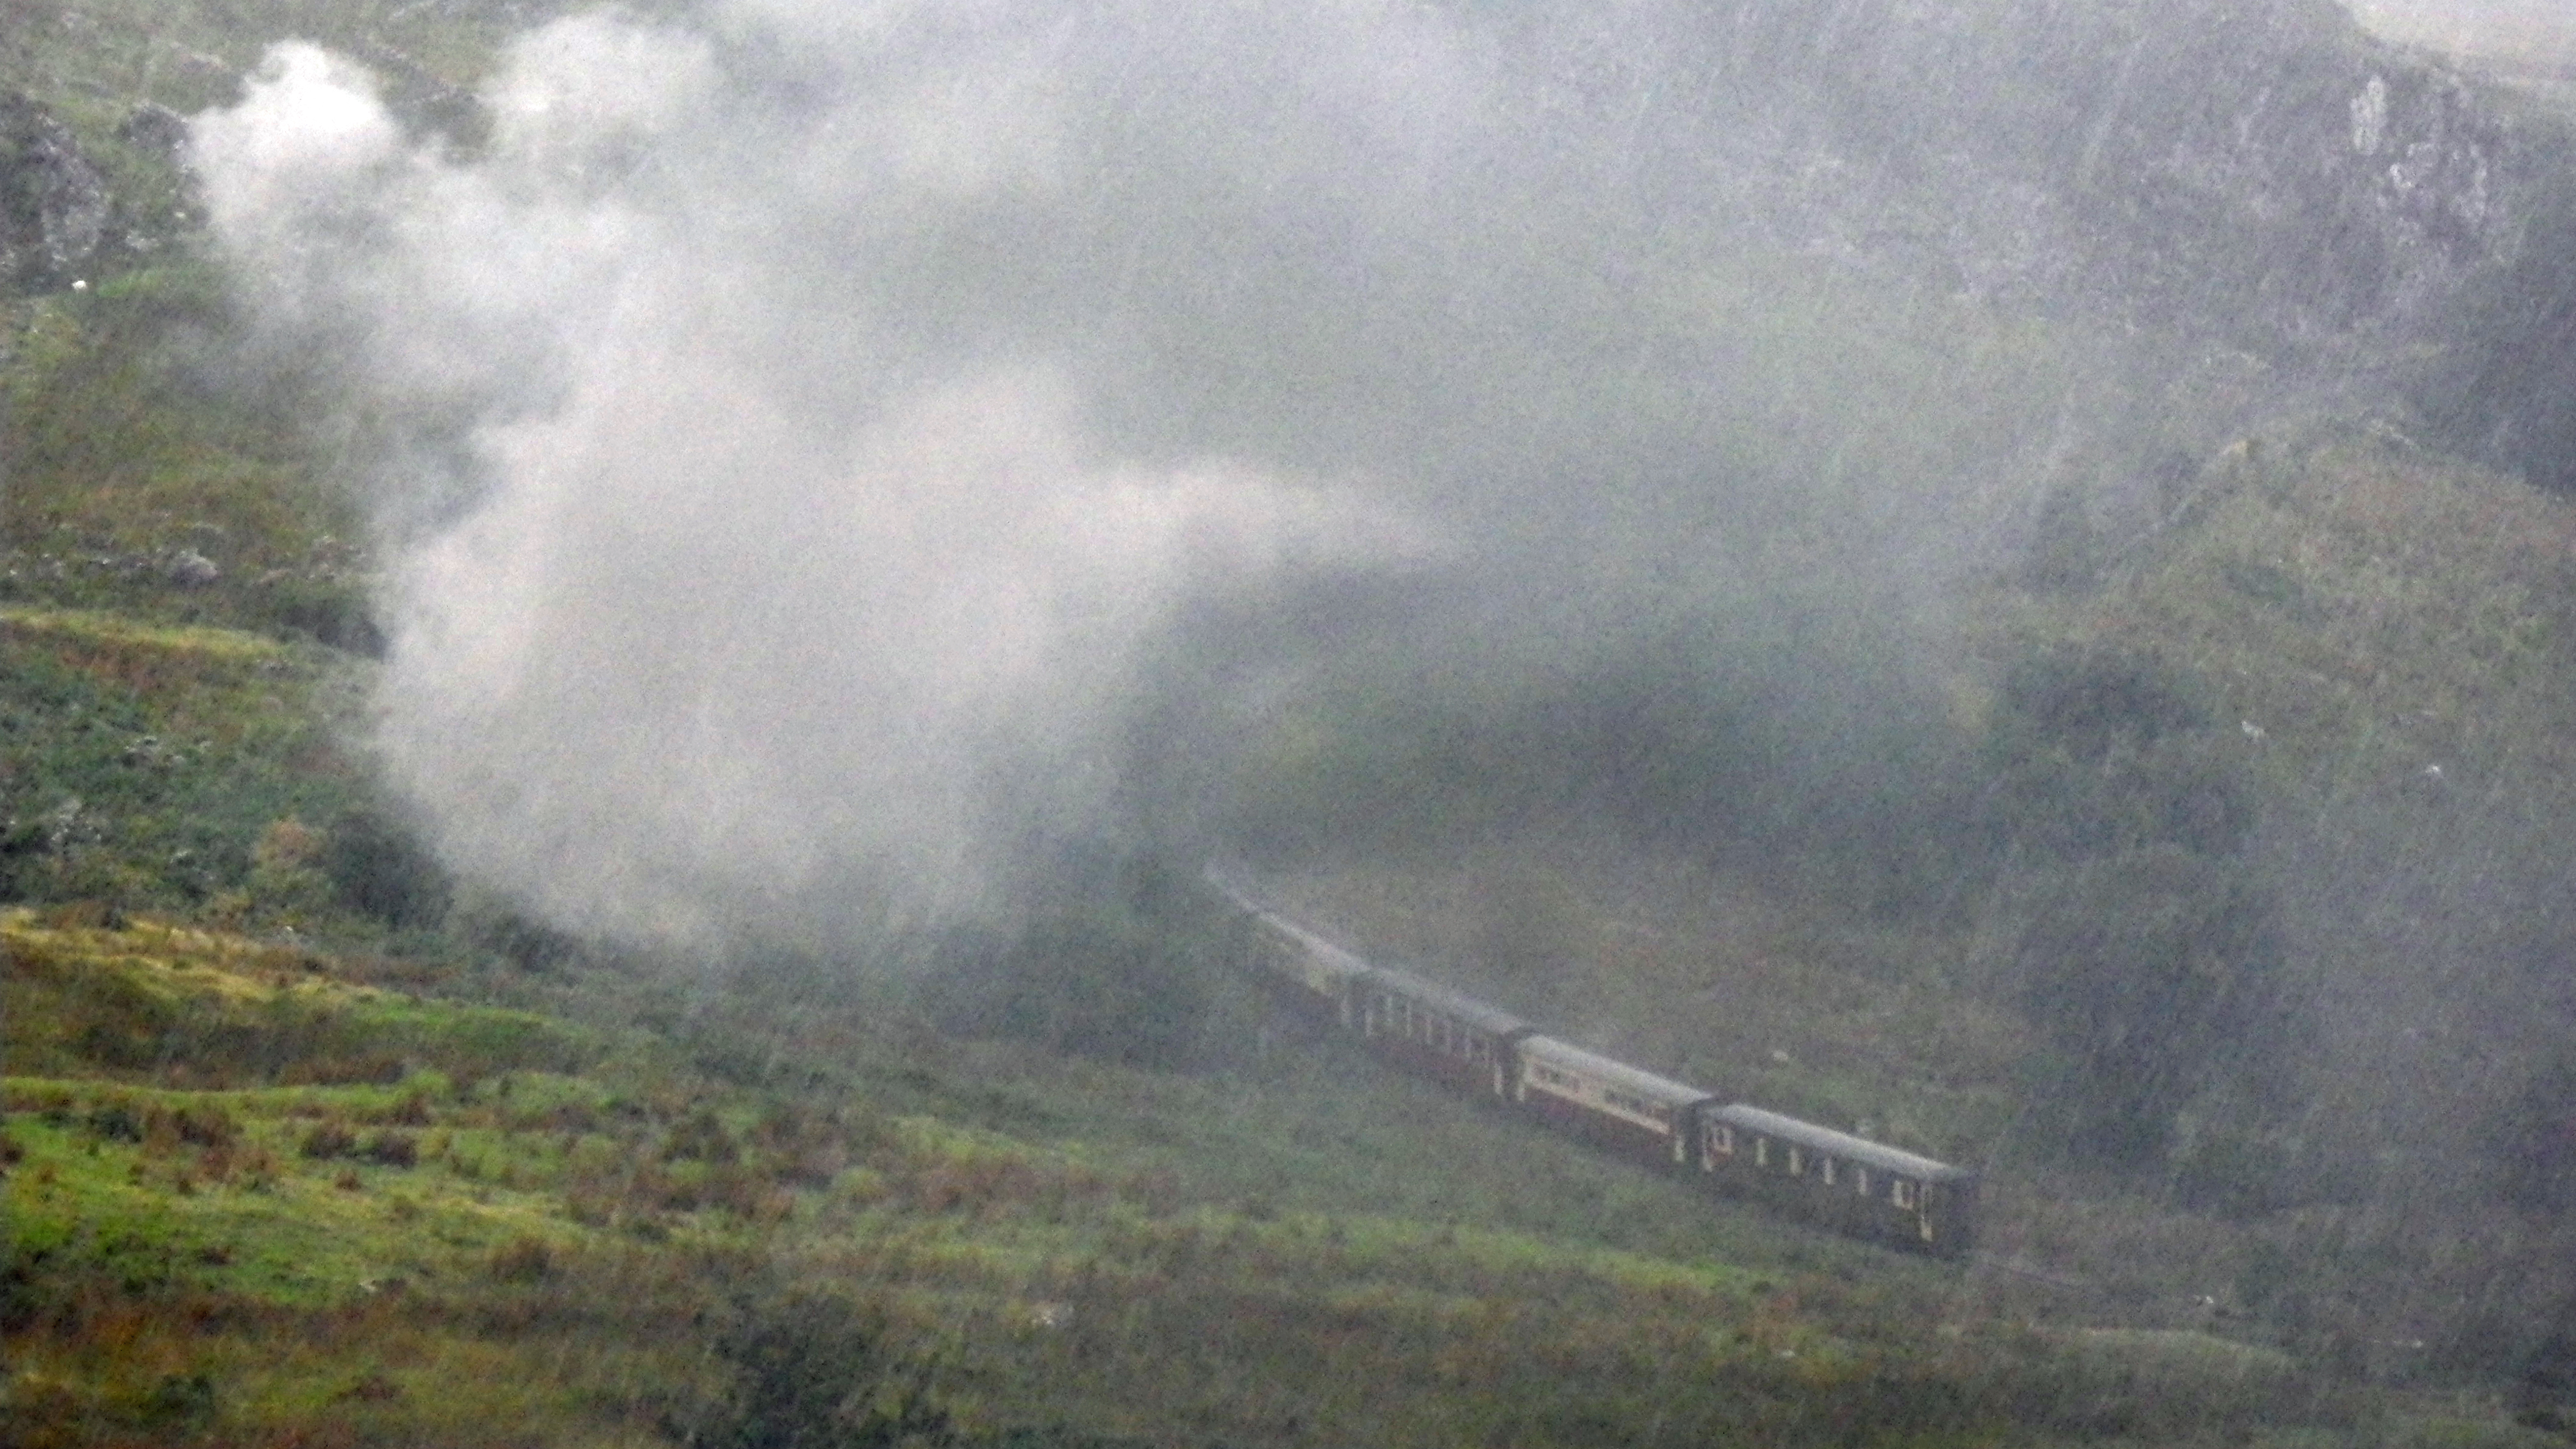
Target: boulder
(53, 201)
(190, 569)
(155, 128)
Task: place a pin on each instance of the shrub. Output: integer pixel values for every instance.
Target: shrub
(2144, 969)
(391, 1149)
(378, 866)
(522, 1260)
(329, 1139)
(115, 1121)
(700, 1137)
(412, 1111)
(813, 1368)
(1088, 982)
(199, 1125)
(177, 1401)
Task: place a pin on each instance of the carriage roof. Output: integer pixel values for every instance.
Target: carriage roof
(1566, 1056)
(1843, 1145)
(1492, 1020)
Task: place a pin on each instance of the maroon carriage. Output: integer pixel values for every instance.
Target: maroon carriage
(1431, 1029)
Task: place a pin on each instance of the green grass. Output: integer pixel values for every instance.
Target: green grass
(173, 767)
(126, 450)
(2369, 609)
(1255, 1257)
(437, 1218)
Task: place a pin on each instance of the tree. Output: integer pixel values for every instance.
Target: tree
(2146, 951)
(2146, 970)
(815, 1371)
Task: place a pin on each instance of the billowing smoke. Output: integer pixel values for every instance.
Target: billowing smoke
(798, 431)
(741, 565)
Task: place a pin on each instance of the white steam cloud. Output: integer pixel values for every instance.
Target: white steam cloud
(743, 568)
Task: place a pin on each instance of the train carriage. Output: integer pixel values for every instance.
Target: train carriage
(1301, 967)
(1837, 1180)
(1625, 1108)
(1862, 1187)
(1429, 1028)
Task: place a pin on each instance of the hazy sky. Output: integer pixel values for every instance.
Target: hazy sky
(2548, 26)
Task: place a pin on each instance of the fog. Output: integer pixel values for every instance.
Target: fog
(835, 463)
(792, 429)
(755, 543)
(830, 458)
(2540, 30)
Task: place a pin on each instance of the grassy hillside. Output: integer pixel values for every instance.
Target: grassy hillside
(2371, 647)
(255, 1198)
(306, 1143)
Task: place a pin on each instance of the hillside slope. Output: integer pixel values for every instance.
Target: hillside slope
(256, 1198)
(306, 1143)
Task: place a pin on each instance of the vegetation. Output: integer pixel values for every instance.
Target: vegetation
(325, 1209)
(306, 1142)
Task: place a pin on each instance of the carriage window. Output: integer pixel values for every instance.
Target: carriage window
(1860, 1181)
(1762, 1152)
(1829, 1172)
(1797, 1162)
(1902, 1194)
(1723, 1139)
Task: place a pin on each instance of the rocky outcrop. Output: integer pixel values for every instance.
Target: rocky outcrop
(53, 202)
(156, 130)
(2256, 173)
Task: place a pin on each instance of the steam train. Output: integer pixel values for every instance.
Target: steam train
(1846, 1183)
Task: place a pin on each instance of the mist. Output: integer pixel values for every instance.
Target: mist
(751, 561)
(795, 430)
(830, 457)
(2536, 30)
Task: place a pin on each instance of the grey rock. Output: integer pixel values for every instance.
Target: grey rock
(190, 569)
(53, 201)
(155, 128)
(2259, 175)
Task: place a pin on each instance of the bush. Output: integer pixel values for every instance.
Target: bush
(522, 1260)
(391, 1149)
(326, 1140)
(115, 1121)
(2099, 751)
(2144, 969)
(1118, 976)
(377, 866)
(815, 1369)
